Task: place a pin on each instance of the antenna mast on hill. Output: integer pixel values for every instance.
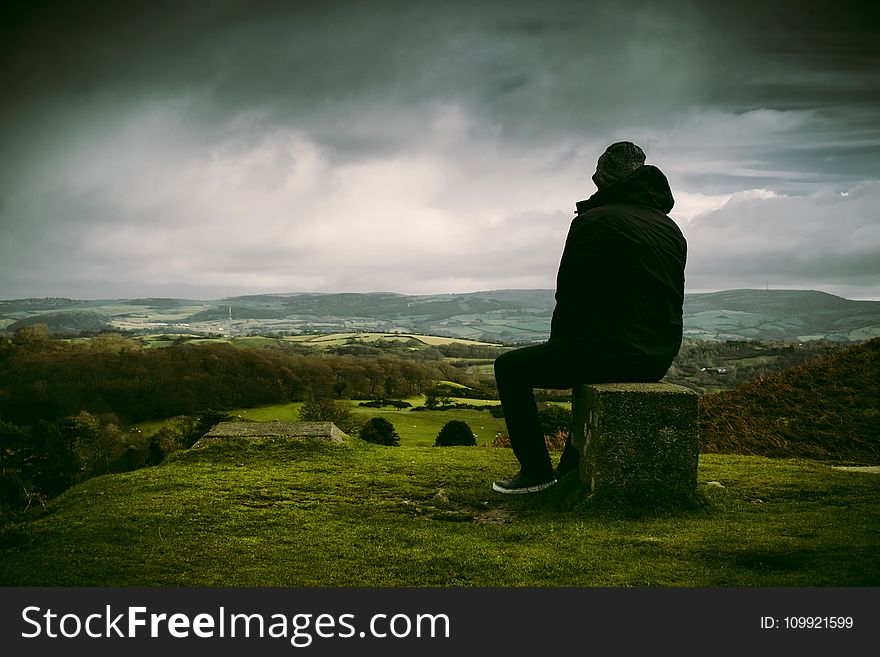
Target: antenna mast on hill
(229, 324)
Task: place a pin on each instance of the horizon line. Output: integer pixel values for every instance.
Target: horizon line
(403, 294)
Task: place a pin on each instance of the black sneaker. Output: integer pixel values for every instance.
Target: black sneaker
(523, 483)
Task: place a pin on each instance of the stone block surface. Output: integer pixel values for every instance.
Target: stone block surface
(325, 431)
(637, 438)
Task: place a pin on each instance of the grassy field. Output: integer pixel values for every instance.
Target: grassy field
(307, 514)
(420, 428)
(415, 428)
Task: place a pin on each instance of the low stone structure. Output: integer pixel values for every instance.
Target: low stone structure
(325, 431)
(637, 439)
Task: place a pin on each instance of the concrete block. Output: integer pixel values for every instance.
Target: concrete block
(637, 439)
(321, 431)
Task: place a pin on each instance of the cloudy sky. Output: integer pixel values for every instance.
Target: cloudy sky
(207, 149)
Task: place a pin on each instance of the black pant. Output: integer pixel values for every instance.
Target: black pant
(557, 366)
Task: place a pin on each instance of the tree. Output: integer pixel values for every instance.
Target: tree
(327, 410)
(131, 459)
(51, 463)
(455, 432)
(96, 443)
(169, 439)
(193, 427)
(33, 334)
(380, 431)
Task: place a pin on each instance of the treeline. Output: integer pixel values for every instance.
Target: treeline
(46, 379)
(41, 461)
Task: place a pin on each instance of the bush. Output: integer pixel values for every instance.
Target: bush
(380, 431)
(455, 432)
(554, 419)
(155, 453)
(379, 403)
(193, 427)
(327, 410)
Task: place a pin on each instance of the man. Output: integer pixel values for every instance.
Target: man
(618, 315)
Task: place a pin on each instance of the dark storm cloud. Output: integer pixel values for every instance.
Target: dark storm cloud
(533, 69)
(294, 57)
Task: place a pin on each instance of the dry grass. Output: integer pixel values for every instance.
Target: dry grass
(555, 442)
(825, 409)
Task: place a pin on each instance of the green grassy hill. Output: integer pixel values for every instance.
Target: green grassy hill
(828, 408)
(282, 513)
(306, 514)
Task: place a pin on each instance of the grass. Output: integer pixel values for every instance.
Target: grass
(305, 514)
(416, 429)
(277, 513)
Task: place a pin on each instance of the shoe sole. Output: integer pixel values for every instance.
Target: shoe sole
(518, 491)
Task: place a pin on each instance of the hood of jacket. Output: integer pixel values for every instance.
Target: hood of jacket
(645, 186)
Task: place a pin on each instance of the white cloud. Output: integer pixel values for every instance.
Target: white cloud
(826, 241)
(254, 208)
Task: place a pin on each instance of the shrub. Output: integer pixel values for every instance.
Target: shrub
(380, 431)
(556, 441)
(131, 459)
(379, 403)
(327, 410)
(554, 418)
(155, 453)
(455, 432)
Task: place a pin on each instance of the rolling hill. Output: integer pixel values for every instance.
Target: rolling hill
(507, 316)
(779, 315)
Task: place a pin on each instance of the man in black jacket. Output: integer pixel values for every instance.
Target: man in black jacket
(618, 315)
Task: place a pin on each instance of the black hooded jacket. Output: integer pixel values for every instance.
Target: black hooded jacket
(620, 287)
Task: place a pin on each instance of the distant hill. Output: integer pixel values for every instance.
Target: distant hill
(72, 321)
(779, 314)
(508, 316)
(828, 408)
